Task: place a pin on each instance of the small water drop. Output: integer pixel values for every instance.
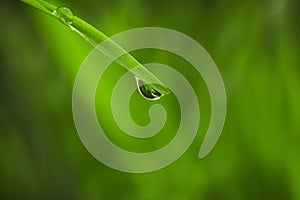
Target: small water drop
(64, 14)
(147, 91)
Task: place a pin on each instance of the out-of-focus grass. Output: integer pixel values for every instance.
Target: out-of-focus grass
(254, 44)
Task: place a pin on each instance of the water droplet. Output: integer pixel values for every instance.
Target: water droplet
(64, 14)
(147, 91)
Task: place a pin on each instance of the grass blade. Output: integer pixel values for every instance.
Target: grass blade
(95, 37)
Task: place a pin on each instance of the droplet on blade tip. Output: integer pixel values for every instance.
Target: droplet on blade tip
(147, 91)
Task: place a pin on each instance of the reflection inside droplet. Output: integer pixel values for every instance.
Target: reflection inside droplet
(147, 91)
(64, 14)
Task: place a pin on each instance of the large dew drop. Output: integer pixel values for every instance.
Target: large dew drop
(147, 91)
(64, 14)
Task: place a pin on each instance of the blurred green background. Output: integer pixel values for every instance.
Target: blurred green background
(256, 46)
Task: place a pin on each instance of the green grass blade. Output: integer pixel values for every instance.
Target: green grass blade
(95, 37)
(36, 4)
